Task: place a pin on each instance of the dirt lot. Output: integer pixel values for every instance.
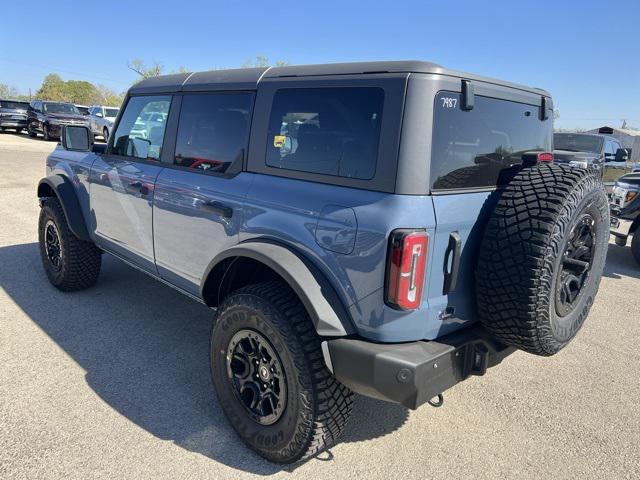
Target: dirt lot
(113, 382)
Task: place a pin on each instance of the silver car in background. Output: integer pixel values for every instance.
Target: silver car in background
(101, 120)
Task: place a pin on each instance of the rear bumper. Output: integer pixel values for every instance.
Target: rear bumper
(412, 373)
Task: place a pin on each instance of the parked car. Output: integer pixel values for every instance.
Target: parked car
(101, 120)
(142, 127)
(625, 212)
(48, 117)
(375, 236)
(586, 150)
(83, 109)
(13, 115)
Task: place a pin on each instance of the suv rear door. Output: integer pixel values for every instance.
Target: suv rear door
(474, 152)
(123, 181)
(198, 197)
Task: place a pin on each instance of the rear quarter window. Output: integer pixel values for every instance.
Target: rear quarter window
(331, 131)
(477, 148)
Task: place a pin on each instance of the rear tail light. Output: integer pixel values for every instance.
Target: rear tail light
(545, 157)
(406, 268)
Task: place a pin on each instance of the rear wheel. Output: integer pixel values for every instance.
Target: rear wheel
(635, 246)
(270, 377)
(542, 257)
(70, 263)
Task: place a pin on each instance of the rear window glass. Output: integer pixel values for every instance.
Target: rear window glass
(477, 148)
(331, 131)
(13, 105)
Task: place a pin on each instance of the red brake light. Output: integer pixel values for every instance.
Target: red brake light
(406, 268)
(545, 157)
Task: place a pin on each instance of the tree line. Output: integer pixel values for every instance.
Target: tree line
(81, 92)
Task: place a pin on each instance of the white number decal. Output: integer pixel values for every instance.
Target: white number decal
(449, 102)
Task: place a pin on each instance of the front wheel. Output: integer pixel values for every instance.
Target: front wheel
(45, 132)
(18, 130)
(270, 377)
(105, 135)
(30, 131)
(70, 263)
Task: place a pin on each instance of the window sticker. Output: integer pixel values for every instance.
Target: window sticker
(279, 141)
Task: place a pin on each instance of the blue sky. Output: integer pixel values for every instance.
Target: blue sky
(585, 53)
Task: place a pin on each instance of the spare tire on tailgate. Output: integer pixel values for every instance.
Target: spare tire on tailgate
(542, 256)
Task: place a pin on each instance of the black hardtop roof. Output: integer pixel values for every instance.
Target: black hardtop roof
(248, 78)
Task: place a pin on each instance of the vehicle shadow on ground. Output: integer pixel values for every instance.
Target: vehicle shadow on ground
(144, 348)
(620, 263)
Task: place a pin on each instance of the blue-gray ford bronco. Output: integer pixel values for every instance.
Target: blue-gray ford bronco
(385, 228)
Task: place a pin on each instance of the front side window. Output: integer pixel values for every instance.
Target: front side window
(213, 131)
(140, 133)
(331, 131)
(111, 112)
(477, 148)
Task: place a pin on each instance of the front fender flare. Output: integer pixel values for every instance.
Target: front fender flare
(64, 190)
(321, 301)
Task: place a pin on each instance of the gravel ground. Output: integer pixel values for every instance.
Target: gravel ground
(113, 382)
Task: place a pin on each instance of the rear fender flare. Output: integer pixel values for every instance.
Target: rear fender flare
(320, 299)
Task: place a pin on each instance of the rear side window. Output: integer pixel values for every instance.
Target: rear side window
(140, 132)
(477, 148)
(331, 131)
(213, 131)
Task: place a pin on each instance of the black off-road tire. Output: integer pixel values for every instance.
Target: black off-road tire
(635, 246)
(317, 405)
(30, 131)
(520, 265)
(620, 241)
(80, 261)
(105, 135)
(45, 132)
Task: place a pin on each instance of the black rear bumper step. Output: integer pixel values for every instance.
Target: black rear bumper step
(412, 373)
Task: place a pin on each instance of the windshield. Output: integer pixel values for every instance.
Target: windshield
(111, 112)
(13, 105)
(61, 108)
(574, 142)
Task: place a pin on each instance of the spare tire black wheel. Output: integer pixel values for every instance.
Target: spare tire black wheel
(542, 257)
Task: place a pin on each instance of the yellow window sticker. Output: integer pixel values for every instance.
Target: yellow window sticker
(279, 140)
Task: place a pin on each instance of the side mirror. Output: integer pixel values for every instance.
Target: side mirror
(622, 155)
(76, 138)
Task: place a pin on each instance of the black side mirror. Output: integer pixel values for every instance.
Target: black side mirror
(622, 155)
(76, 138)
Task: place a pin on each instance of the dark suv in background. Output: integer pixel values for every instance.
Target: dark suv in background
(49, 117)
(13, 114)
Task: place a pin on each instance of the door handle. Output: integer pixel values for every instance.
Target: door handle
(217, 208)
(452, 256)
